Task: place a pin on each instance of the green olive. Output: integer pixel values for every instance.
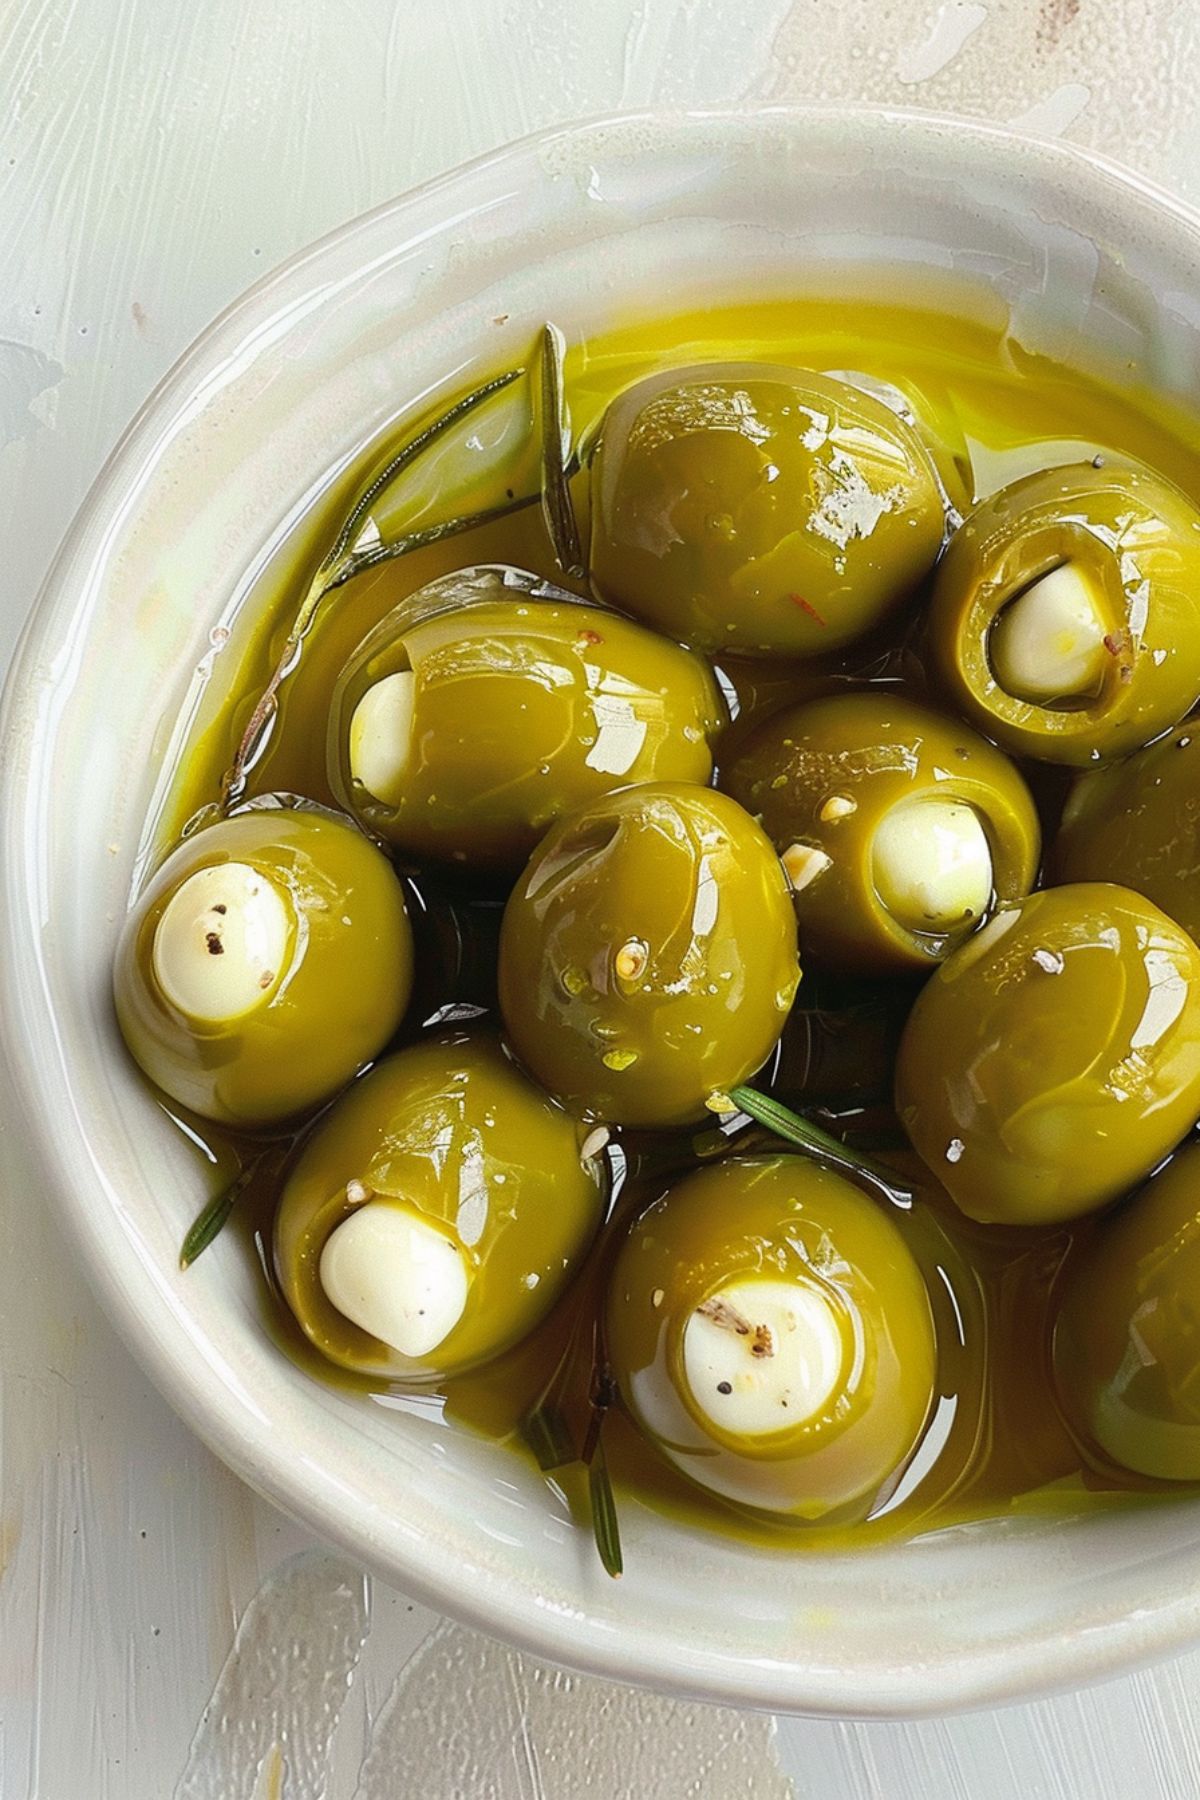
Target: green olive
(1127, 1340)
(436, 1214)
(1065, 620)
(1054, 1059)
(1141, 819)
(771, 1334)
(480, 710)
(900, 830)
(648, 955)
(745, 507)
(268, 960)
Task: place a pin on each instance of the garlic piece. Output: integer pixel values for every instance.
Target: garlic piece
(932, 864)
(381, 737)
(392, 1273)
(222, 943)
(1048, 644)
(802, 863)
(762, 1355)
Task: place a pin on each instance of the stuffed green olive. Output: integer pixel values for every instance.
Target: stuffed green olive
(1065, 620)
(1054, 1059)
(1127, 1340)
(267, 961)
(900, 829)
(436, 1214)
(1141, 817)
(771, 1334)
(487, 704)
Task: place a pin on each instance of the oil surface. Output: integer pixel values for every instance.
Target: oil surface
(992, 411)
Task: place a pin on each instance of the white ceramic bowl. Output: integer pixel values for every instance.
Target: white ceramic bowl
(580, 224)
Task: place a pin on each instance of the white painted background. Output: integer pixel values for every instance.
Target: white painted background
(162, 1632)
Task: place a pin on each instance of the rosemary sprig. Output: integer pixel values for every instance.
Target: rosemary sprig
(548, 1435)
(557, 457)
(420, 540)
(797, 1130)
(211, 1218)
(605, 1524)
(343, 544)
(343, 561)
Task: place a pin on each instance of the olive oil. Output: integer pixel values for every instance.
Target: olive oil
(996, 1442)
(993, 410)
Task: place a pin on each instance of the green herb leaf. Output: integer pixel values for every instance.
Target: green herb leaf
(605, 1524)
(211, 1219)
(342, 563)
(797, 1130)
(559, 513)
(548, 1435)
(420, 540)
(408, 454)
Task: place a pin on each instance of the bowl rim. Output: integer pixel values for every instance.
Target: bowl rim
(428, 1572)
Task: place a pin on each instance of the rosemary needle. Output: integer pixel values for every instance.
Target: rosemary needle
(797, 1130)
(605, 1525)
(211, 1218)
(557, 458)
(548, 1435)
(341, 563)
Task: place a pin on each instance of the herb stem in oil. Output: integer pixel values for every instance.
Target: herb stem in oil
(557, 457)
(210, 1221)
(342, 562)
(802, 1132)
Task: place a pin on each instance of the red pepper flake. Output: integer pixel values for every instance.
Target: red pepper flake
(808, 607)
(1117, 643)
(588, 637)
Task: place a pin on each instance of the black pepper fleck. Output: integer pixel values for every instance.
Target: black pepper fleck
(215, 946)
(724, 1387)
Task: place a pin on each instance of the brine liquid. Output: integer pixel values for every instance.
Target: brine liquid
(995, 1442)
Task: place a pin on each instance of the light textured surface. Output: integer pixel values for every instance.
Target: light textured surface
(161, 1630)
